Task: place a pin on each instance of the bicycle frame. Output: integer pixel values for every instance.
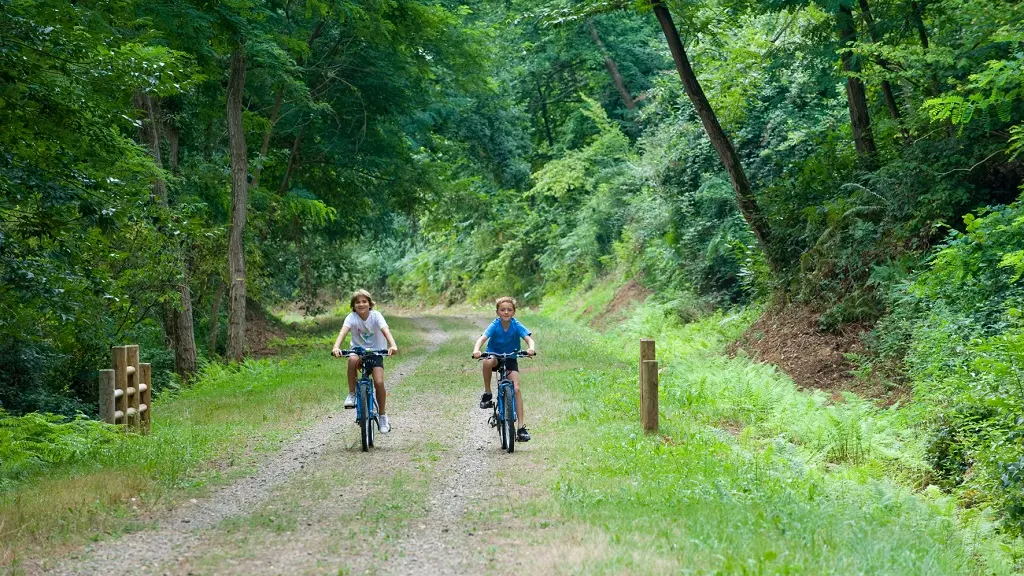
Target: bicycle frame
(504, 382)
(366, 410)
(504, 416)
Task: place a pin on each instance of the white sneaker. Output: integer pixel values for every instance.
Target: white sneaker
(382, 424)
(350, 401)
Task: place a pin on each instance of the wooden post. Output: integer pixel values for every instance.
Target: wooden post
(133, 386)
(146, 381)
(649, 396)
(646, 353)
(120, 363)
(106, 395)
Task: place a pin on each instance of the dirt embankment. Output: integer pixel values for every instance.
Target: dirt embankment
(790, 337)
(631, 292)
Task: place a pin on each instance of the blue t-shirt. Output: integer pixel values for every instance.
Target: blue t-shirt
(501, 341)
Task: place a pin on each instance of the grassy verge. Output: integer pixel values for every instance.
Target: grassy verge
(201, 437)
(747, 474)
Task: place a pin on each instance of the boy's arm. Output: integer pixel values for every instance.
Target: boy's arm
(337, 343)
(529, 342)
(392, 347)
(479, 342)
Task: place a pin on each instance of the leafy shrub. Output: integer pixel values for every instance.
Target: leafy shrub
(960, 322)
(33, 443)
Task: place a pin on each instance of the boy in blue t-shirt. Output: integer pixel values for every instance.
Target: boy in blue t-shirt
(503, 335)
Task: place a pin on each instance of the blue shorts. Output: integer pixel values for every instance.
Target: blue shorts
(511, 364)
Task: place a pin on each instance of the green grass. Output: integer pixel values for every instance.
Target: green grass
(747, 475)
(202, 436)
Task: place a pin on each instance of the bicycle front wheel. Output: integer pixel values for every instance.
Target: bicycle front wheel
(502, 432)
(510, 418)
(365, 426)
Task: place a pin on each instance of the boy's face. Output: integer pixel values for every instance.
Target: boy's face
(506, 311)
(361, 305)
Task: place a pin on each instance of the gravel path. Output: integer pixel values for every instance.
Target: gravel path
(442, 543)
(184, 528)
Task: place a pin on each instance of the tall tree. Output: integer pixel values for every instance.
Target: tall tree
(887, 94)
(613, 69)
(860, 120)
(239, 201)
(178, 324)
(719, 139)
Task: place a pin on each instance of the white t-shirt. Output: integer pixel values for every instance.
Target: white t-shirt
(367, 333)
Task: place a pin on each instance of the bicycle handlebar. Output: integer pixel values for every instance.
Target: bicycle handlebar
(361, 353)
(516, 354)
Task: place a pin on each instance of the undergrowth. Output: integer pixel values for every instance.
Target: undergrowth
(748, 474)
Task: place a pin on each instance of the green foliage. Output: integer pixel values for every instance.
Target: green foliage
(35, 443)
(959, 324)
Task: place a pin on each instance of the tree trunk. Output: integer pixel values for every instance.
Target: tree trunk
(276, 110)
(185, 364)
(890, 99)
(613, 69)
(149, 135)
(218, 294)
(178, 329)
(917, 14)
(293, 159)
(239, 199)
(857, 101)
(265, 147)
(719, 140)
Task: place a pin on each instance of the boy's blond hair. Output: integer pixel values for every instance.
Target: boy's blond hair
(357, 294)
(504, 299)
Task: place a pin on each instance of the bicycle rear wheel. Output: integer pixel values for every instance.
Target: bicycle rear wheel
(509, 423)
(365, 427)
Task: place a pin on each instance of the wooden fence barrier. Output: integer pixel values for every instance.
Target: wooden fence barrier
(648, 386)
(126, 391)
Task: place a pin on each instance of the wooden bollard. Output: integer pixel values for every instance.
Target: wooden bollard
(646, 353)
(133, 384)
(120, 363)
(147, 395)
(106, 396)
(649, 395)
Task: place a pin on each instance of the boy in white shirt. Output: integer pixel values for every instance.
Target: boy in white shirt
(370, 331)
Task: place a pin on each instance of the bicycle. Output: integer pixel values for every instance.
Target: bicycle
(504, 416)
(366, 401)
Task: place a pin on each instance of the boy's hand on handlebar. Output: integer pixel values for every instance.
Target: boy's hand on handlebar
(392, 350)
(477, 354)
(531, 352)
(336, 352)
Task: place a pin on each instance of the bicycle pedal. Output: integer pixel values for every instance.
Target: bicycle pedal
(486, 405)
(493, 422)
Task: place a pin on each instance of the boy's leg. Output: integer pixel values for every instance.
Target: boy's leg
(353, 367)
(382, 392)
(489, 364)
(520, 410)
(488, 368)
(354, 364)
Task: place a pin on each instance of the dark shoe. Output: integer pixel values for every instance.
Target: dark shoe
(523, 435)
(485, 401)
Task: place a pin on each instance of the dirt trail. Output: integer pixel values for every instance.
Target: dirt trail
(443, 543)
(167, 548)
